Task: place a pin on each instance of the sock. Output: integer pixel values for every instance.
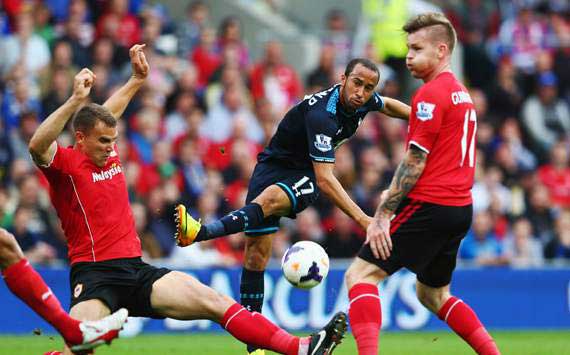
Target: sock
(251, 293)
(28, 285)
(249, 216)
(255, 329)
(365, 316)
(463, 320)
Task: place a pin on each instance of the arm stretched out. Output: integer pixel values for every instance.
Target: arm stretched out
(42, 145)
(332, 188)
(119, 101)
(395, 108)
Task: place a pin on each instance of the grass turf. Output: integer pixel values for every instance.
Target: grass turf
(401, 343)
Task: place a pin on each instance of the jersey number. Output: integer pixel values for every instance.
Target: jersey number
(468, 143)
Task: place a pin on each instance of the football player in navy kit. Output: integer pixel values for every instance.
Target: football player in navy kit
(297, 163)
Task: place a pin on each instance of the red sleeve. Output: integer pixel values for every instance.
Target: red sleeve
(62, 161)
(427, 114)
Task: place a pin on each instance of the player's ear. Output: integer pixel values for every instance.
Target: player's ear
(79, 137)
(442, 49)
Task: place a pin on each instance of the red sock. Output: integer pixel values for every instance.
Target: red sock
(254, 329)
(28, 285)
(365, 316)
(463, 320)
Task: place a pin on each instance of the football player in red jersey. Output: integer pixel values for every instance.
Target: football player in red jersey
(427, 209)
(89, 192)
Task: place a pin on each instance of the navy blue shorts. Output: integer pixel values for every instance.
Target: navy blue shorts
(425, 240)
(300, 186)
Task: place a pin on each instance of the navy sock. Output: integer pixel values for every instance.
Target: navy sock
(249, 216)
(251, 293)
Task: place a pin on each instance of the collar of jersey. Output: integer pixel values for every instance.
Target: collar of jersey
(333, 100)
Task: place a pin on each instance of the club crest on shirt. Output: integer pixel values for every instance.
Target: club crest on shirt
(425, 111)
(323, 143)
(77, 290)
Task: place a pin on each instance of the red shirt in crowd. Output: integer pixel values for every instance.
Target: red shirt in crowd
(558, 183)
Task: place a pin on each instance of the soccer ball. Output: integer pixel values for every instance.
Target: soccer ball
(305, 264)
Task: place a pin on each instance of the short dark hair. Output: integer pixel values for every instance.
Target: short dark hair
(443, 27)
(367, 63)
(86, 118)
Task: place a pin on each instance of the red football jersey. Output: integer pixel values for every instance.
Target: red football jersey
(443, 123)
(93, 206)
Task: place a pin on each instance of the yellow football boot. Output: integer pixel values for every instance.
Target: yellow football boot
(187, 228)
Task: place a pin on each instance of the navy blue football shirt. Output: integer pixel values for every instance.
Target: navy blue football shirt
(314, 128)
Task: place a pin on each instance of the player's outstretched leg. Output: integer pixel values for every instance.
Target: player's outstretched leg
(188, 230)
(458, 316)
(255, 329)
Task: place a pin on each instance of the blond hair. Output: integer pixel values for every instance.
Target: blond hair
(440, 26)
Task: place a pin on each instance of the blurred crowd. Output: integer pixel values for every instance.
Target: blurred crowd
(193, 132)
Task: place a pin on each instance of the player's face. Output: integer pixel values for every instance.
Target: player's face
(358, 87)
(98, 143)
(424, 55)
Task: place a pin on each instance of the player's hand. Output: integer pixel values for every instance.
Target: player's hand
(378, 236)
(82, 84)
(139, 64)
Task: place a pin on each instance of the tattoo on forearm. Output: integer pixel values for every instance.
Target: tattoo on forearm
(406, 176)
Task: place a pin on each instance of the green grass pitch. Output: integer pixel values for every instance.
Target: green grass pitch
(401, 343)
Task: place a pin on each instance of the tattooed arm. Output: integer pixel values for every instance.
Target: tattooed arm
(405, 178)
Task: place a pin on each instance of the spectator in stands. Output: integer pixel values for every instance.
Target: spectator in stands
(103, 54)
(189, 30)
(184, 103)
(17, 100)
(80, 19)
(23, 47)
(540, 212)
(545, 117)
(19, 138)
(146, 132)
(522, 249)
(558, 248)
(323, 76)
(481, 245)
(523, 38)
(57, 80)
(118, 24)
(555, 175)
(273, 79)
(505, 95)
(342, 239)
(35, 250)
(338, 35)
(218, 125)
(562, 53)
(42, 23)
(159, 221)
(150, 246)
(205, 57)
(230, 35)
